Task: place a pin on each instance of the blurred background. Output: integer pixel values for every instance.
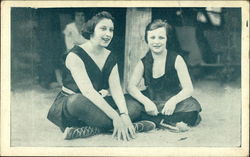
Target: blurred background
(208, 38)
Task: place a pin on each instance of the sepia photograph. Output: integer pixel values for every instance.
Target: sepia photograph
(125, 78)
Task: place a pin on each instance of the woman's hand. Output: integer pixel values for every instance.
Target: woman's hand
(120, 130)
(169, 107)
(128, 124)
(151, 108)
(104, 92)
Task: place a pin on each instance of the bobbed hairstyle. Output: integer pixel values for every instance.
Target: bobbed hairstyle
(158, 23)
(89, 28)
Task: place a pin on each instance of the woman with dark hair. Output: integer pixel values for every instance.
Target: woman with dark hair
(85, 107)
(168, 97)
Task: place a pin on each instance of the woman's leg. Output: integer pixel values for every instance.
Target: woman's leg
(134, 108)
(187, 117)
(185, 111)
(84, 110)
(90, 120)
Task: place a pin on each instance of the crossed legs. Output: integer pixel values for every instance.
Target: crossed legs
(82, 109)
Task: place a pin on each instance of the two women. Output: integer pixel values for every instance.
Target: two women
(84, 107)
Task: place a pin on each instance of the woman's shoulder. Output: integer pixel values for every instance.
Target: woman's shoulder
(147, 58)
(107, 51)
(70, 25)
(110, 55)
(76, 49)
(173, 55)
(178, 57)
(146, 55)
(74, 53)
(73, 60)
(179, 61)
(69, 28)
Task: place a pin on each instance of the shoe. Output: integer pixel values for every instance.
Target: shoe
(144, 126)
(83, 132)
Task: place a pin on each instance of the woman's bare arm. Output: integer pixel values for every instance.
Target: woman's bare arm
(133, 90)
(117, 94)
(185, 80)
(116, 90)
(134, 81)
(78, 71)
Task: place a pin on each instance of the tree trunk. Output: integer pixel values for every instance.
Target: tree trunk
(135, 45)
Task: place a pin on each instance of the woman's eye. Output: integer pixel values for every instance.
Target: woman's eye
(161, 37)
(111, 29)
(152, 37)
(103, 28)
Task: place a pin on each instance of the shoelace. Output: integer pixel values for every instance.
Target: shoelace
(137, 127)
(84, 132)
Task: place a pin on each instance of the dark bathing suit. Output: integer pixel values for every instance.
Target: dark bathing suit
(161, 89)
(85, 112)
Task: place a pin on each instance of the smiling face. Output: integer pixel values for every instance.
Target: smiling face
(103, 32)
(157, 40)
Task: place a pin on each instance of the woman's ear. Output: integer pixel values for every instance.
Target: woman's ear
(145, 38)
(91, 35)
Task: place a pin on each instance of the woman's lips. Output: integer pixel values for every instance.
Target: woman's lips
(106, 39)
(156, 47)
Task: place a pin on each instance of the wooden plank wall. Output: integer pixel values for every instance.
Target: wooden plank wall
(135, 46)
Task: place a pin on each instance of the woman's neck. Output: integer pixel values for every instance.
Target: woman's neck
(161, 55)
(93, 48)
(79, 26)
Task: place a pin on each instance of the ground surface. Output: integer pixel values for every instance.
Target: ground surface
(220, 124)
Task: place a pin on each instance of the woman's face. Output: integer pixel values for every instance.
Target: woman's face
(103, 32)
(79, 17)
(157, 40)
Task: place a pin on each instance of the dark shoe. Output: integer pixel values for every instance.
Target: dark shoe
(144, 126)
(83, 132)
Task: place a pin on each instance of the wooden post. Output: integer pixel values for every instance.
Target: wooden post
(135, 45)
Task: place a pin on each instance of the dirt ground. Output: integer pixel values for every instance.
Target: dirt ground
(220, 126)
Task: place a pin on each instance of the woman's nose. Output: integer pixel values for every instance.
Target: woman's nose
(108, 33)
(156, 40)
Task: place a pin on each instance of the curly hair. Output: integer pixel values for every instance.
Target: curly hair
(89, 28)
